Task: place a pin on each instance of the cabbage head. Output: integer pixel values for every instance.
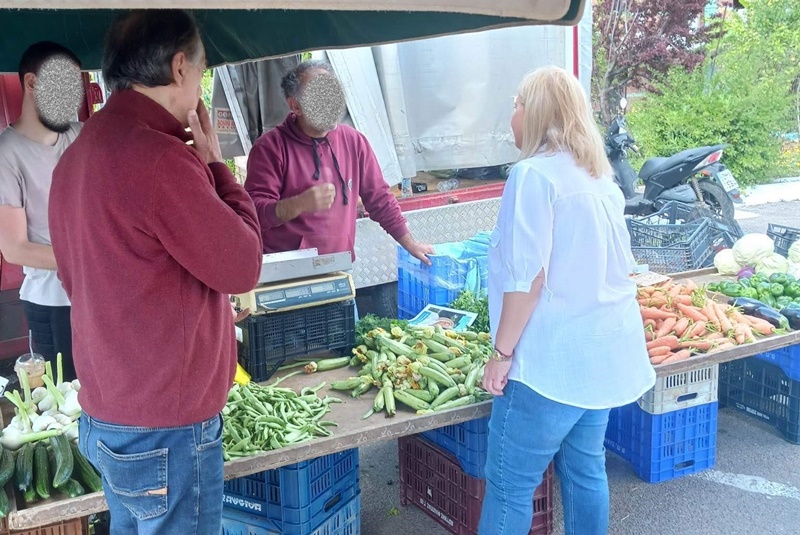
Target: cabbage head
(725, 263)
(771, 264)
(751, 248)
(794, 252)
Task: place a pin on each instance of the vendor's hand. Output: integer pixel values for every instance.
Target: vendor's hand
(495, 376)
(318, 198)
(421, 252)
(239, 316)
(205, 139)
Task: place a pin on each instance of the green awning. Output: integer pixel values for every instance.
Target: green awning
(236, 35)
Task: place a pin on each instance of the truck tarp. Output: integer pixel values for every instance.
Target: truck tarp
(425, 105)
(249, 30)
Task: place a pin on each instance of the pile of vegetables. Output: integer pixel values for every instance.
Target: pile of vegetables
(755, 253)
(370, 322)
(680, 321)
(424, 368)
(262, 418)
(38, 445)
(779, 290)
(469, 302)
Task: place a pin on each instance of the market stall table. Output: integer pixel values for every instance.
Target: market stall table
(354, 432)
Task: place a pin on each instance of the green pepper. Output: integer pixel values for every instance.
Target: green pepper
(767, 298)
(732, 289)
(790, 279)
(713, 287)
(797, 299)
(755, 278)
(776, 289)
(783, 301)
(778, 278)
(745, 282)
(750, 293)
(792, 290)
(763, 286)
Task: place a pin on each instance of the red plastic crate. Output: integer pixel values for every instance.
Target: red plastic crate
(433, 480)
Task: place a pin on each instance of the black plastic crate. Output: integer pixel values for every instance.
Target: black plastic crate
(783, 237)
(763, 391)
(269, 339)
(675, 213)
(670, 249)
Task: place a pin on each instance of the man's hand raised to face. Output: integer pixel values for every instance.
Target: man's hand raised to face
(205, 139)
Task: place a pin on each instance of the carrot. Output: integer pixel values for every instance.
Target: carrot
(723, 347)
(690, 285)
(683, 300)
(655, 361)
(649, 323)
(666, 327)
(739, 335)
(691, 312)
(658, 351)
(737, 316)
(668, 341)
(655, 314)
(647, 290)
(675, 291)
(699, 345)
(748, 332)
(699, 329)
(656, 301)
(711, 314)
(761, 326)
(681, 327)
(715, 336)
(724, 322)
(677, 357)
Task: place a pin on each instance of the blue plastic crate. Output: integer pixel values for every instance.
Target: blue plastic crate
(786, 358)
(299, 494)
(468, 441)
(762, 390)
(342, 520)
(664, 446)
(462, 266)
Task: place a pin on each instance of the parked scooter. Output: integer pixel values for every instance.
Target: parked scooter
(694, 177)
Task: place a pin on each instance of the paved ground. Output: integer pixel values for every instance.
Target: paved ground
(754, 488)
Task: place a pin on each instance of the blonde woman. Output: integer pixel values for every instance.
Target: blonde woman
(569, 343)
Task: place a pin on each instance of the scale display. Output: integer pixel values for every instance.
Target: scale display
(305, 294)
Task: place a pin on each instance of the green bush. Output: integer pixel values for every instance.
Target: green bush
(735, 105)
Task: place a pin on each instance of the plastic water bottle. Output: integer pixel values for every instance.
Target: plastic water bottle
(448, 185)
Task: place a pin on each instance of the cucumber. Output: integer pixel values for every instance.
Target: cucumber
(41, 471)
(64, 462)
(72, 488)
(85, 471)
(24, 467)
(30, 495)
(6, 467)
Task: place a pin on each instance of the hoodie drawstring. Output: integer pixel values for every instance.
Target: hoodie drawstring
(314, 144)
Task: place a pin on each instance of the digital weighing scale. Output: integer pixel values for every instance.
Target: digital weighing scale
(299, 279)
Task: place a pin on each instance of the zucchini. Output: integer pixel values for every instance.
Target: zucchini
(3, 503)
(6, 467)
(41, 471)
(85, 472)
(72, 488)
(24, 467)
(30, 495)
(64, 461)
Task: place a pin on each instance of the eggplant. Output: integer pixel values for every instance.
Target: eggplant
(793, 316)
(773, 316)
(749, 306)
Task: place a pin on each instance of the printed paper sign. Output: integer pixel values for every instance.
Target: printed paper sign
(223, 121)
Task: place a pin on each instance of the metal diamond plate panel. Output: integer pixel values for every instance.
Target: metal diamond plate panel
(376, 251)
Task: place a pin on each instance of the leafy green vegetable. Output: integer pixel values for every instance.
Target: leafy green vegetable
(371, 322)
(469, 302)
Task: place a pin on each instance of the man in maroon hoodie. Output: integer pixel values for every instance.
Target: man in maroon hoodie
(307, 174)
(150, 235)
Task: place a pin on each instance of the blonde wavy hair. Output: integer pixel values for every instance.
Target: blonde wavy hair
(557, 118)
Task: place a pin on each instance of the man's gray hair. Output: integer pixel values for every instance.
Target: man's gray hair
(292, 81)
(140, 46)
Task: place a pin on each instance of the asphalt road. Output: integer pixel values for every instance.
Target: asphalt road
(754, 488)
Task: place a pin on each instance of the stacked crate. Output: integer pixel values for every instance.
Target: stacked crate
(442, 473)
(671, 431)
(766, 387)
(316, 497)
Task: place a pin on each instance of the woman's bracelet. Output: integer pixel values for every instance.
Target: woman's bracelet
(500, 356)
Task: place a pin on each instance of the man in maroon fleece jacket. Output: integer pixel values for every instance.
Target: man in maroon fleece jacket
(150, 235)
(307, 174)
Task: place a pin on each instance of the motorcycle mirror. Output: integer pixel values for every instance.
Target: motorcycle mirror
(623, 103)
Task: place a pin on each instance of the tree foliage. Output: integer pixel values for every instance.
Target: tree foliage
(640, 41)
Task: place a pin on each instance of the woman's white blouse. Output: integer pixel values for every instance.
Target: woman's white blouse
(584, 345)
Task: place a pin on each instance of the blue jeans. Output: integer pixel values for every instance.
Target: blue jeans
(526, 431)
(158, 481)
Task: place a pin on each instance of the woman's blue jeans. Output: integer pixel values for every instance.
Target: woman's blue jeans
(158, 481)
(526, 431)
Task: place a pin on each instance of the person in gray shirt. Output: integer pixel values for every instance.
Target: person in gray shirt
(29, 151)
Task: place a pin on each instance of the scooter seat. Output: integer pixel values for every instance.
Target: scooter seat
(650, 167)
(654, 166)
